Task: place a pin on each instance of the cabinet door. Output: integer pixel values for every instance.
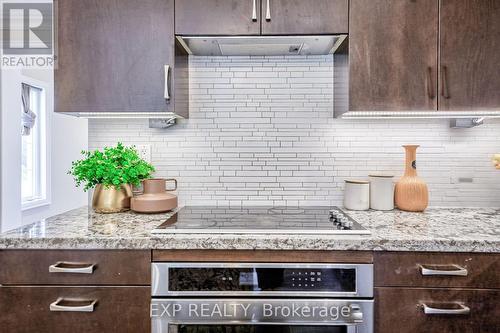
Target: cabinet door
(111, 55)
(402, 310)
(430, 270)
(470, 55)
(393, 55)
(117, 309)
(217, 17)
(286, 17)
(75, 267)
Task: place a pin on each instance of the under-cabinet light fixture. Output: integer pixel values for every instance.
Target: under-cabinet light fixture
(123, 115)
(419, 114)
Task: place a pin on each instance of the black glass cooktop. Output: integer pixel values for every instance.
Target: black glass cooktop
(261, 220)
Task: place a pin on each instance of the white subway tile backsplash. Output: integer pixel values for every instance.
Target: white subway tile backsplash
(261, 132)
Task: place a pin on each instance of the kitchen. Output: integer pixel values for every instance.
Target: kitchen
(269, 122)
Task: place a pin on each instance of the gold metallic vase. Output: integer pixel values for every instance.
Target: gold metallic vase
(110, 200)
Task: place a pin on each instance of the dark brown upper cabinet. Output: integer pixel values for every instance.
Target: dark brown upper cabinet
(299, 17)
(256, 17)
(469, 55)
(217, 17)
(112, 56)
(393, 55)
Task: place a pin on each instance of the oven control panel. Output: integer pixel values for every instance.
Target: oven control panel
(307, 279)
(262, 279)
(249, 279)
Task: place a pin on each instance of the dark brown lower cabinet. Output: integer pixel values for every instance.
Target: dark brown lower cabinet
(404, 269)
(118, 309)
(109, 267)
(401, 310)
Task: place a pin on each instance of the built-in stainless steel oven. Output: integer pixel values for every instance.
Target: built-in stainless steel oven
(261, 298)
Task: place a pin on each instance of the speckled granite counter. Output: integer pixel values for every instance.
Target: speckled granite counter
(447, 230)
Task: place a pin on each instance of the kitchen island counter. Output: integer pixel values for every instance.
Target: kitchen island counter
(438, 229)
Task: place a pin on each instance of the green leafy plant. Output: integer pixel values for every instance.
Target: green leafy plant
(114, 166)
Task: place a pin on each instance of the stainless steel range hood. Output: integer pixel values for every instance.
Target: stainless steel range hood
(260, 45)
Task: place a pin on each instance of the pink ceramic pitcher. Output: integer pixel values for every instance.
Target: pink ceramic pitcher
(155, 197)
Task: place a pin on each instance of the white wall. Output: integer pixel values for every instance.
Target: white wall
(10, 191)
(261, 131)
(67, 137)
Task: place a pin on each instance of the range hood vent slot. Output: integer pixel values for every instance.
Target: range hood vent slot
(253, 49)
(261, 45)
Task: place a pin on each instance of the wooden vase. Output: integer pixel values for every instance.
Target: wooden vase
(411, 193)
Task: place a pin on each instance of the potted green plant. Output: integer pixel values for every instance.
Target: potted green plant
(112, 172)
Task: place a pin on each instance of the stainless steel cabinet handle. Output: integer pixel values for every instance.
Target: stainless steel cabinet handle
(462, 310)
(167, 82)
(73, 305)
(71, 267)
(254, 11)
(268, 11)
(440, 270)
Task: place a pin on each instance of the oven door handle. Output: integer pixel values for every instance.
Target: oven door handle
(356, 313)
(287, 311)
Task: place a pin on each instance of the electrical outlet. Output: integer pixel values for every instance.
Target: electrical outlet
(144, 152)
(462, 177)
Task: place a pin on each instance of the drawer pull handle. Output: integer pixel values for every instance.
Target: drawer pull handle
(73, 305)
(458, 309)
(71, 267)
(444, 270)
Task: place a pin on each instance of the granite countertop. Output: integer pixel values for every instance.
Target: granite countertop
(438, 229)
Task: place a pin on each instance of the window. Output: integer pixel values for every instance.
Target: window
(33, 157)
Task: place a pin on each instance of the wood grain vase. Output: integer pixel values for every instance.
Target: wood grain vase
(411, 193)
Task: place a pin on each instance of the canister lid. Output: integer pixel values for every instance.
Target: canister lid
(356, 181)
(381, 175)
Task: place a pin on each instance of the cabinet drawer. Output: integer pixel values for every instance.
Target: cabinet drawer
(402, 310)
(437, 270)
(117, 309)
(77, 267)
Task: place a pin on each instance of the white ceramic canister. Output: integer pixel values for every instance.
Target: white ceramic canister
(357, 195)
(382, 192)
